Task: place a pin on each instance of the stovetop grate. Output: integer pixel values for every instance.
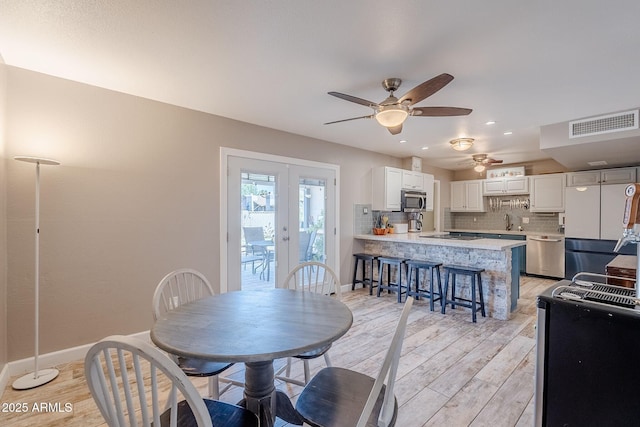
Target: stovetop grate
(599, 293)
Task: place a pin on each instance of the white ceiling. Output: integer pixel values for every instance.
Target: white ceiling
(521, 63)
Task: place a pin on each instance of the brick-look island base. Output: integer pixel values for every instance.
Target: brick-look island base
(500, 280)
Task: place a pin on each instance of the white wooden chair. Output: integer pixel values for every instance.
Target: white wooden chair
(130, 380)
(315, 277)
(338, 397)
(177, 288)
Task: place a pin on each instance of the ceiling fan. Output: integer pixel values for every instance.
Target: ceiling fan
(482, 161)
(392, 112)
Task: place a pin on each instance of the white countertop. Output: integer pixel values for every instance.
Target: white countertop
(489, 244)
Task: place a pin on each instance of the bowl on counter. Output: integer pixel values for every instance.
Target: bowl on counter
(401, 228)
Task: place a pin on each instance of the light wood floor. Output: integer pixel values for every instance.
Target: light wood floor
(452, 372)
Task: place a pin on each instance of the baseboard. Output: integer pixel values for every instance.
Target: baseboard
(48, 360)
(347, 288)
(4, 378)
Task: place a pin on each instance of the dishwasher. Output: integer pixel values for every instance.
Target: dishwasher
(545, 255)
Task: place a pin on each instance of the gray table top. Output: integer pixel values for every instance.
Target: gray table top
(252, 326)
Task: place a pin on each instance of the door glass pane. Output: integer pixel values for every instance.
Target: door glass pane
(258, 213)
(311, 218)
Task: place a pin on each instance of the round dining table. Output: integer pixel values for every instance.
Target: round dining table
(255, 328)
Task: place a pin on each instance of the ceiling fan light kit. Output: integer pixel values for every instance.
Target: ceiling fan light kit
(392, 112)
(461, 144)
(391, 116)
(482, 161)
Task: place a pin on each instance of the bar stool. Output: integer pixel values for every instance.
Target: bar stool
(431, 267)
(364, 258)
(474, 273)
(391, 286)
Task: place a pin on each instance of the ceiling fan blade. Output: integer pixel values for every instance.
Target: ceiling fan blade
(354, 99)
(353, 118)
(395, 130)
(494, 161)
(426, 89)
(440, 111)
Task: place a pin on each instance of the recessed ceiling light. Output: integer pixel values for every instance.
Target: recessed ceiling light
(425, 148)
(490, 122)
(508, 132)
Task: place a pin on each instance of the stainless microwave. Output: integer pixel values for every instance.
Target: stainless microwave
(413, 201)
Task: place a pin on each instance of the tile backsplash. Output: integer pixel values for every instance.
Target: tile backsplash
(481, 221)
(363, 222)
(538, 222)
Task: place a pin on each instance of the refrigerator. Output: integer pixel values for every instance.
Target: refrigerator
(594, 211)
(593, 224)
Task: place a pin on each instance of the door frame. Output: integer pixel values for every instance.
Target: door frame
(225, 153)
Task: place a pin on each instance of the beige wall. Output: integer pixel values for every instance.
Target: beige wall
(136, 195)
(3, 222)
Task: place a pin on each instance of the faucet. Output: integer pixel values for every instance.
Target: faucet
(628, 236)
(507, 221)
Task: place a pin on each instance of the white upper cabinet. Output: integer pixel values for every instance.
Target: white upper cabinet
(618, 176)
(428, 187)
(466, 196)
(412, 180)
(386, 188)
(507, 185)
(604, 177)
(547, 192)
(579, 179)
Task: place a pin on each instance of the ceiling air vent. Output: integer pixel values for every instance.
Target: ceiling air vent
(604, 124)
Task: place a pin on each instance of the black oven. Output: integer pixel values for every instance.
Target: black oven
(413, 201)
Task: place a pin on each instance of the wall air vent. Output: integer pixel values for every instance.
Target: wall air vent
(617, 122)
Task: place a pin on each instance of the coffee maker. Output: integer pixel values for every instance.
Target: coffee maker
(415, 222)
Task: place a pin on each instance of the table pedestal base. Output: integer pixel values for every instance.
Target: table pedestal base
(262, 398)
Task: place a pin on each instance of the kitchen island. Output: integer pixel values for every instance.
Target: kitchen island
(500, 280)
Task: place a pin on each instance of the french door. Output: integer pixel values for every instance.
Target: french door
(278, 213)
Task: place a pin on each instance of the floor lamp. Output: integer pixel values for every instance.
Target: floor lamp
(37, 377)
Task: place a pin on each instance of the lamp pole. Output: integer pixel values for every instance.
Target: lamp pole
(37, 377)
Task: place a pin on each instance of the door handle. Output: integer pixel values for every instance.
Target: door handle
(544, 240)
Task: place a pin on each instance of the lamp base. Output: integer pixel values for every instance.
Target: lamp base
(28, 381)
